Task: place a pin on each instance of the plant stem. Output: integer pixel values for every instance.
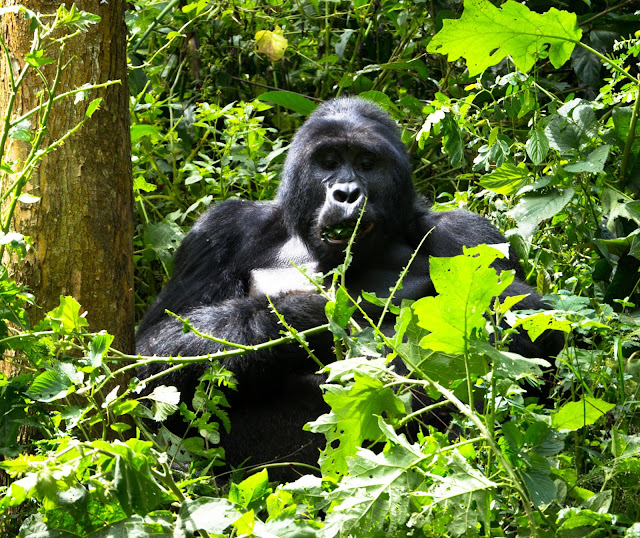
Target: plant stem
(606, 61)
(631, 135)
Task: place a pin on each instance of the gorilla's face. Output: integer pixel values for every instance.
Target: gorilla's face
(345, 174)
(347, 152)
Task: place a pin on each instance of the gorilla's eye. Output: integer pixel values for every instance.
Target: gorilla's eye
(329, 162)
(367, 162)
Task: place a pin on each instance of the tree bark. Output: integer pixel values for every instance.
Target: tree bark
(82, 227)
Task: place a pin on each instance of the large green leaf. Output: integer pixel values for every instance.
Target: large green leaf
(66, 318)
(377, 491)
(209, 514)
(50, 386)
(134, 486)
(594, 164)
(466, 285)
(532, 209)
(574, 415)
(353, 419)
(485, 35)
(538, 479)
(507, 179)
(293, 101)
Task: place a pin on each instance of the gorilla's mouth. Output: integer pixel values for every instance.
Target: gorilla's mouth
(341, 232)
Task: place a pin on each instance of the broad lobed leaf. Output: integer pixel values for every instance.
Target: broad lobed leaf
(485, 35)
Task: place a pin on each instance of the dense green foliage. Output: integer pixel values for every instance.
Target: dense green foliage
(534, 124)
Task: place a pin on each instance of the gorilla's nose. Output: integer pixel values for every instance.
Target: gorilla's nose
(347, 193)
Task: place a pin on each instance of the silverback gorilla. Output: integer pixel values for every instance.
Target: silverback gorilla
(238, 252)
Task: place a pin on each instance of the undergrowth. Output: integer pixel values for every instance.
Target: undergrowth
(534, 125)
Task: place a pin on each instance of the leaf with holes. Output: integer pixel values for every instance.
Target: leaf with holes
(353, 419)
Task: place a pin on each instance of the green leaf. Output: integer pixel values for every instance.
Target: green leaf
(93, 106)
(50, 386)
(156, 525)
(124, 407)
(76, 18)
(537, 478)
(141, 184)
(452, 141)
(66, 318)
(27, 198)
(416, 65)
(543, 439)
(353, 419)
(466, 285)
(99, 346)
(507, 179)
(382, 99)
(573, 126)
(199, 6)
(584, 521)
(272, 44)
(6, 168)
(293, 101)
(512, 30)
(536, 324)
(622, 127)
(532, 209)
(142, 129)
(165, 402)
(509, 365)
(212, 515)
(513, 435)
(21, 131)
(376, 493)
(340, 310)
(574, 415)
(135, 487)
(341, 45)
(594, 163)
(38, 58)
(251, 489)
(462, 480)
(163, 238)
(537, 146)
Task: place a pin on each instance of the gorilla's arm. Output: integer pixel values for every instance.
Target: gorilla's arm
(210, 286)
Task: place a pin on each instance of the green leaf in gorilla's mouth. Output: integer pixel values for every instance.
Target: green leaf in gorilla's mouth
(341, 232)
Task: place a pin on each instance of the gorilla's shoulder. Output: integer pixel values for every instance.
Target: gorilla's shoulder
(227, 230)
(450, 230)
(229, 214)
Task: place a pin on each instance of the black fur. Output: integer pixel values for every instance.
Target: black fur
(347, 151)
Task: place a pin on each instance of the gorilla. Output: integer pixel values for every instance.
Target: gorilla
(346, 156)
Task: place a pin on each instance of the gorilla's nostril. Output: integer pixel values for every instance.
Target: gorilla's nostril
(354, 196)
(340, 196)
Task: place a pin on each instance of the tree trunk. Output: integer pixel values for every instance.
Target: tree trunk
(82, 227)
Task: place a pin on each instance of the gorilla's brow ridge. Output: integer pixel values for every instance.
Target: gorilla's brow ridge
(335, 131)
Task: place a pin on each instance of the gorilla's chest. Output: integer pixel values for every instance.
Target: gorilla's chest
(379, 273)
(279, 272)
